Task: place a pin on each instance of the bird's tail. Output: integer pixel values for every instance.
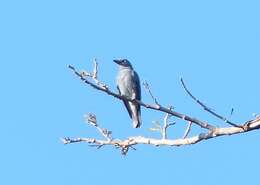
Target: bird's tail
(136, 117)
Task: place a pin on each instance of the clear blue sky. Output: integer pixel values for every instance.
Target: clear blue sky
(214, 45)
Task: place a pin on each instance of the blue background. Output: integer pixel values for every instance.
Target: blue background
(214, 45)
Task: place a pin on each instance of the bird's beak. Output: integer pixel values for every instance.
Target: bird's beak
(117, 61)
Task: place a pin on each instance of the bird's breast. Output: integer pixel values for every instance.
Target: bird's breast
(125, 82)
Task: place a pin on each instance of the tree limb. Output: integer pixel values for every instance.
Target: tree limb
(131, 141)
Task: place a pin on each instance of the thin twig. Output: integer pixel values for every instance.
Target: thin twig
(187, 131)
(147, 87)
(95, 71)
(166, 124)
(95, 75)
(207, 108)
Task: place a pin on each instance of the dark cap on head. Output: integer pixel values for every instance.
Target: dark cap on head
(123, 62)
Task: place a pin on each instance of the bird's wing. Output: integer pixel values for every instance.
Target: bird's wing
(137, 90)
(137, 108)
(127, 105)
(137, 87)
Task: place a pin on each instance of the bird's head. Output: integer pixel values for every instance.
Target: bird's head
(123, 63)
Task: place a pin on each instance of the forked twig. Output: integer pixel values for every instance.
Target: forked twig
(166, 124)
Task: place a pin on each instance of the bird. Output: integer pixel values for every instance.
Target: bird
(128, 84)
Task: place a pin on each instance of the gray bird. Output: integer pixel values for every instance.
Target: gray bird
(128, 84)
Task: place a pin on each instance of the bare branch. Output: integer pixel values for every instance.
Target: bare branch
(207, 108)
(131, 141)
(157, 107)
